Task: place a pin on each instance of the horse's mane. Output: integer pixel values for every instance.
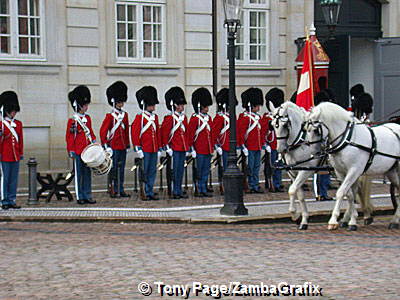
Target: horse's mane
(330, 112)
(290, 106)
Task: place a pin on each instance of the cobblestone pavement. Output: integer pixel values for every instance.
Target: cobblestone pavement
(108, 261)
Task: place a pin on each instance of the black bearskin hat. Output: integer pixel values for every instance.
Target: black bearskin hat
(174, 95)
(147, 95)
(363, 103)
(9, 100)
(80, 94)
(201, 97)
(252, 96)
(357, 90)
(117, 92)
(276, 96)
(222, 98)
(321, 97)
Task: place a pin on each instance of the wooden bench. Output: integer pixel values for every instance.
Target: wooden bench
(55, 182)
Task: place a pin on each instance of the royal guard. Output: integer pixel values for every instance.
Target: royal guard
(275, 96)
(146, 137)
(200, 138)
(250, 135)
(78, 136)
(356, 91)
(220, 129)
(114, 134)
(11, 149)
(174, 136)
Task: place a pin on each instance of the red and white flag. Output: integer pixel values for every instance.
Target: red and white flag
(305, 91)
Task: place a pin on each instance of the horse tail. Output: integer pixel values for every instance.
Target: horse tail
(364, 195)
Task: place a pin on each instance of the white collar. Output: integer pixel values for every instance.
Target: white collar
(9, 119)
(118, 111)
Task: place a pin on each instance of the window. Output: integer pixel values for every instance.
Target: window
(140, 29)
(253, 37)
(21, 29)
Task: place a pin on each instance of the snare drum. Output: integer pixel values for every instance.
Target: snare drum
(96, 158)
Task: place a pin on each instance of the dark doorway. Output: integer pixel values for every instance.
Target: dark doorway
(338, 52)
(357, 19)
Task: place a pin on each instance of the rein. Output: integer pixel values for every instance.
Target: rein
(300, 138)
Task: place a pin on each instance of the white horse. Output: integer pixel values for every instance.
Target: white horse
(355, 149)
(288, 121)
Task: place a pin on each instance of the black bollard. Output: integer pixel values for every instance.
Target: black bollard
(32, 173)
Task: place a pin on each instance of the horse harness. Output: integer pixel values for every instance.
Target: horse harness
(345, 140)
(299, 141)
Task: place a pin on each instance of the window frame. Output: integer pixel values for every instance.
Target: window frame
(140, 59)
(247, 8)
(14, 35)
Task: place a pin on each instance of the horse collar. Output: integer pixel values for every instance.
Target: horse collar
(345, 139)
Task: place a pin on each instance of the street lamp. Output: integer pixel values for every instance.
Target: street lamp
(233, 177)
(331, 9)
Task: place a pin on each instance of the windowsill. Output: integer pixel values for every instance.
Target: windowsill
(142, 69)
(254, 67)
(25, 66)
(254, 71)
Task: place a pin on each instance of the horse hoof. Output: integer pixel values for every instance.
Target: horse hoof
(344, 224)
(303, 227)
(333, 226)
(368, 221)
(352, 228)
(394, 226)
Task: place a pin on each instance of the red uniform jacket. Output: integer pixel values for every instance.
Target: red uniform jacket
(150, 139)
(75, 136)
(120, 138)
(270, 136)
(203, 144)
(179, 140)
(219, 124)
(11, 150)
(254, 139)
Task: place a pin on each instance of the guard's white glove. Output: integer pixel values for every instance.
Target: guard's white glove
(245, 151)
(268, 149)
(219, 150)
(140, 154)
(109, 151)
(159, 154)
(188, 153)
(193, 154)
(169, 151)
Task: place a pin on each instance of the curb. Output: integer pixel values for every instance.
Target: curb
(318, 216)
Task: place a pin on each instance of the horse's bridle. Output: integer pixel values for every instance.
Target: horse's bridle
(300, 138)
(318, 125)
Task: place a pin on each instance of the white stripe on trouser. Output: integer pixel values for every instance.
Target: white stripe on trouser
(2, 181)
(315, 184)
(76, 180)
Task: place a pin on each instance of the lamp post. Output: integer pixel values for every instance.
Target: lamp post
(233, 177)
(331, 9)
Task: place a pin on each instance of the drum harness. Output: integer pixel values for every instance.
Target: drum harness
(345, 140)
(86, 130)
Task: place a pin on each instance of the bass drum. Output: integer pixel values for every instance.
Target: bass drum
(96, 158)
